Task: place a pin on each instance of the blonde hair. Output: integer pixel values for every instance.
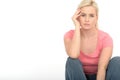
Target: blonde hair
(85, 3)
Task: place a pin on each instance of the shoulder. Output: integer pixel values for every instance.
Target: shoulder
(104, 35)
(69, 34)
(105, 38)
(70, 31)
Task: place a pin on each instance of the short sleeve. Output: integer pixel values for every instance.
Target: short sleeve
(69, 34)
(107, 41)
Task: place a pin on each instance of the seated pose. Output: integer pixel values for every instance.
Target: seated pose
(89, 49)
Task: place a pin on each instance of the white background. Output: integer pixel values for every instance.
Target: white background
(31, 36)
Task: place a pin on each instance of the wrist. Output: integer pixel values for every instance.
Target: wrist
(77, 27)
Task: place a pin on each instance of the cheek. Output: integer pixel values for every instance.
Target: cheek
(94, 21)
(80, 20)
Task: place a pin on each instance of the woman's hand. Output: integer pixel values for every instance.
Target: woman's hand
(75, 18)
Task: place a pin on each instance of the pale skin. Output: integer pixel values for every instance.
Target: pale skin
(85, 39)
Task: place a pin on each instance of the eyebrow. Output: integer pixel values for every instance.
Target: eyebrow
(89, 14)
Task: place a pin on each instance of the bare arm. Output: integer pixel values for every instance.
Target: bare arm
(73, 45)
(103, 62)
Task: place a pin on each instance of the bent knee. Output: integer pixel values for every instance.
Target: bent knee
(115, 59)
(115, 62)
(73, 61)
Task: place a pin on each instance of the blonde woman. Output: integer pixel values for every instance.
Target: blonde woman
(89, 49)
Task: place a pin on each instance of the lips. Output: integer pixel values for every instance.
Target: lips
(87, 24)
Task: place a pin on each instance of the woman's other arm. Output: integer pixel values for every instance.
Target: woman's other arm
(103, 62)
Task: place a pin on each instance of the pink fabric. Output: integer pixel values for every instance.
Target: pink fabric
(90, 62)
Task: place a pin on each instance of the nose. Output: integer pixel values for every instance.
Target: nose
(87, 18)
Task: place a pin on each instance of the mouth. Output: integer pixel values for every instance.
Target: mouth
(87, 24)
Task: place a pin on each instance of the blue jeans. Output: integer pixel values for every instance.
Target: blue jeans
(74, 70)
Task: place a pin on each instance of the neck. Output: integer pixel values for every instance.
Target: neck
(88, 33)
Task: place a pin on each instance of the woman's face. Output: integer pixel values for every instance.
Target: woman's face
(88, 17)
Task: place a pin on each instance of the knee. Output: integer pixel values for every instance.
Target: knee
(113, 69)
(116, 58)
(73, 61)
(115, 62)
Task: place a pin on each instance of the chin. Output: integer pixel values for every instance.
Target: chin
(86, 28)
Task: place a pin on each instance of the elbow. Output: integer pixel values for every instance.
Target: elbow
(73, 55)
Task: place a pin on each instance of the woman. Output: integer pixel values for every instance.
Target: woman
(89, 49)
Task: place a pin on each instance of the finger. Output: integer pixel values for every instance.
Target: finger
(78, 12)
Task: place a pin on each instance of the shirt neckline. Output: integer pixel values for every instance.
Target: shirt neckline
(92, 54)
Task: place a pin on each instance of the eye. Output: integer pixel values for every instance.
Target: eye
(91, 15)
(83, 15)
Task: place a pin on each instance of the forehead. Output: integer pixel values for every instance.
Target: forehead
(88, 9)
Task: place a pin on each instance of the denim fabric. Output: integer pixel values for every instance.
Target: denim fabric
(91, 77)
(74, 70)
(113, 70)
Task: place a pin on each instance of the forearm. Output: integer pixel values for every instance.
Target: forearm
(74, 48)
(75, 44)
(101, 74)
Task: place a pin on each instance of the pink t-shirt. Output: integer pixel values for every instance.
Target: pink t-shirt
(90, 62)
